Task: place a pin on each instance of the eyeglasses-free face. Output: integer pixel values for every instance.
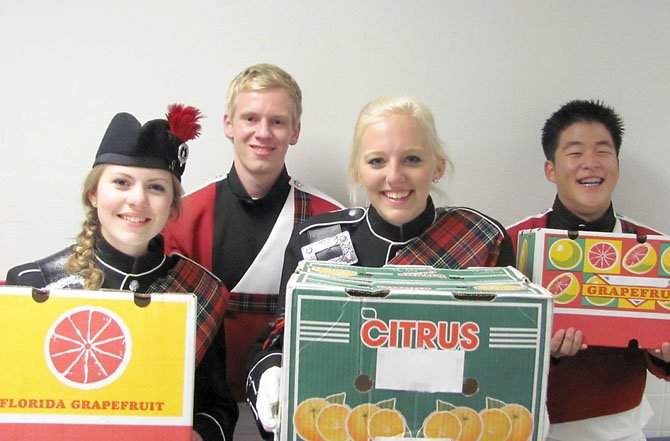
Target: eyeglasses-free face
(133, 205)
(585, 169)
(396, 168)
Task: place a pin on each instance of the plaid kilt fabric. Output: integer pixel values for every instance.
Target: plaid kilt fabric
(189, 277)
(264, 303)
(459, 238)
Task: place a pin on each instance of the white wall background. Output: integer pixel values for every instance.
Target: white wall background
(491, 71)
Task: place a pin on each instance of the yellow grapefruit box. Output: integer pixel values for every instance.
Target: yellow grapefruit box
(614, 287)
(414, 352)
(101, 365)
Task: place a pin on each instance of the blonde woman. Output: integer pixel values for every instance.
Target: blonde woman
(397, 158)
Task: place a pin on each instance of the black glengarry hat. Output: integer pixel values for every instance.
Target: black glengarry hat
(158, 143)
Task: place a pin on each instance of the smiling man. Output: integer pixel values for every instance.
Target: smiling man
(594, 393)
(238, 227)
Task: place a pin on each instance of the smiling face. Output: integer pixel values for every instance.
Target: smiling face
(396, 167)
(585, 169)
(261, 129)
(133, 205)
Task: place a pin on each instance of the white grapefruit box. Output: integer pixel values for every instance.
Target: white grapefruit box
(613, 287)
(96, 365)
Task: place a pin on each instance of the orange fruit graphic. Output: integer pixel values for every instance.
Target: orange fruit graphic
(442, 424)
(565, 254)
(564, 287)
(471, 423)
(88, 347)
(357, 421)
(640, 259)
(304, 418)
(603, 256)
(497, 425)
(330, 423)
(522, 422)
(386, 422)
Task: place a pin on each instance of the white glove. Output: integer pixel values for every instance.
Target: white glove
(267, 400)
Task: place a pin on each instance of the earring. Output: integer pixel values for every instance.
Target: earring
(436, 181)
(95, 204)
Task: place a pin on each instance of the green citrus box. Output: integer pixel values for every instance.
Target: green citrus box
(414, 352)
(614, 287)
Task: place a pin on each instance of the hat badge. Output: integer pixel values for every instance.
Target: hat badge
(182, 154)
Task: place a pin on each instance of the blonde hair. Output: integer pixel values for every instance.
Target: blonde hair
(82, 260)
(264, 76)
(380, 108)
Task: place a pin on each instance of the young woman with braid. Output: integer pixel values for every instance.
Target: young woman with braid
(131, 192)
(82, 262)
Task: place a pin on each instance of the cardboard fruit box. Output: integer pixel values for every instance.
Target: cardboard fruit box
(415, 352)
(614, 287)
(79, 365)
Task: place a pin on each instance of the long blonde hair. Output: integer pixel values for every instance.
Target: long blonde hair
(82, 260)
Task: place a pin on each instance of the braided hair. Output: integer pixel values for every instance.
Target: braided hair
(82, 260)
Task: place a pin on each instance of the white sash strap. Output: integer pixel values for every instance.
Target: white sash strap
(264, 274)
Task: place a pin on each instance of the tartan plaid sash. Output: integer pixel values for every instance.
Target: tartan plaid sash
(188, 277)
(303, 206)
(459, 238)
(266, 303)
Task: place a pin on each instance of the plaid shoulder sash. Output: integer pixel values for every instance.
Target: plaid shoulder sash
(303, 206)
(188, 277)
(459, 238)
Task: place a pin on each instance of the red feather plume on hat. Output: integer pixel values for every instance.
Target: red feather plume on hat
(183, 121)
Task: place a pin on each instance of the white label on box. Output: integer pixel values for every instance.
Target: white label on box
(420, 370)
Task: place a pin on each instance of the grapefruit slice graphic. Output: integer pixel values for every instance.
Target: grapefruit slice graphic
(87, 347)
(565, 288)
(603, 256)
(640, 259)
(665, 261)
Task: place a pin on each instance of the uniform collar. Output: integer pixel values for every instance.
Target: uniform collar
(129, 265)
(562, 218)
(279, 189)
(405, 232)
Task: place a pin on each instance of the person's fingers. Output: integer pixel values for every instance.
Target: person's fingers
(566, 342)
(556, 342)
